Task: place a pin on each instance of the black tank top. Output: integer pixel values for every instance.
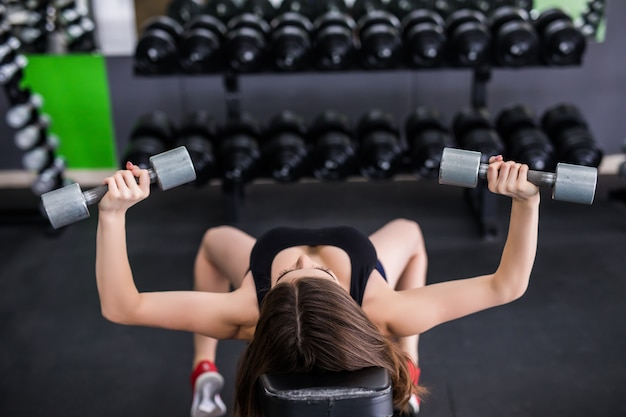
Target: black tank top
(357, 245)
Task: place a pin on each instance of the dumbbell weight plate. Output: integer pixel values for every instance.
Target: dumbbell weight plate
(459, 168)
(575, 183)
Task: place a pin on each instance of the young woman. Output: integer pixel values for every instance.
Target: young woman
(308, 300)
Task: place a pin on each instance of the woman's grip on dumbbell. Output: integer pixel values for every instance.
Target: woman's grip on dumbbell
(69, 204)
(125, 189)
(572, 183)
(510, 178)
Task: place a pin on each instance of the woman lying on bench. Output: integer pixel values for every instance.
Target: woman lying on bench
(310, 300)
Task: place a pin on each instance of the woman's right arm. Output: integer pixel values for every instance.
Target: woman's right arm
(212, 314)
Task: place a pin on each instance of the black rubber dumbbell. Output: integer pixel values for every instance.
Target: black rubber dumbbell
(401, 8)
(562, 42)
(291, 41)
(444, 7)
(571, 136)
(334, 43)
(224, 10)
(423, 37)
(263, 8)
(152, 134)
(157, 48)
(474, 131)
(527, 5)
(284, 149)
(380, 152)
(333, 148)
(197, 133)
(468, 38)
(201, 45)
(184, 10)
(378, 32)
(239, 153)
(427, 136)
(246, 42)
(524, 139)
(515, 41)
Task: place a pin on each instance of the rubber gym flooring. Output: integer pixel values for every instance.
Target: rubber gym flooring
(558, 351)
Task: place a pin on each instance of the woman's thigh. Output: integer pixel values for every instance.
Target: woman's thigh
(228, 250)
(396, 243)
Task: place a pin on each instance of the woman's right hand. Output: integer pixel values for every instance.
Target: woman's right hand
(124, 189)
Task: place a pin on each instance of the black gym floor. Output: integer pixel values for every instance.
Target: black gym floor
(558, 351)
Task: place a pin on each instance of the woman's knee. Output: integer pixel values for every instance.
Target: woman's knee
(216, 235)
(411, 232)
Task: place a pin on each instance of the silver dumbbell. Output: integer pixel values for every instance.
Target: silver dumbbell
(572, 183)
(69, 204)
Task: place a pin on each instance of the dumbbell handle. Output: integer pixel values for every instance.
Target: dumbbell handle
(539, 178)
(94, 195)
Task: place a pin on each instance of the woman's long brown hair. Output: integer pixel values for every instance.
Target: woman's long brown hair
(313, 325)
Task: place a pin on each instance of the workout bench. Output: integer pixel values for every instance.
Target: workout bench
(363, 393)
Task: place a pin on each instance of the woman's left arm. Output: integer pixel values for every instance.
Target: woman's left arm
(417, 310)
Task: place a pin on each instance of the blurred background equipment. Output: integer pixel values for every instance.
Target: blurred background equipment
(427, 136)
(334, 151)
(524, 139)
(198, 134)
(570, 133)
(380, 151)
(284, 150)
(152, 134)
(378, 32)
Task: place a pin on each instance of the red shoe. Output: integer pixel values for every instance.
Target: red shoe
(207, 384)
(414, 402)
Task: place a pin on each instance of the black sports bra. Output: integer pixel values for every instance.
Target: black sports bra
(361, 251)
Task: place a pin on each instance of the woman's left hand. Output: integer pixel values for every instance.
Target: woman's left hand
(509, 178)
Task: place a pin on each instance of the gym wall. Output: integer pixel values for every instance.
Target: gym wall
(94, 100)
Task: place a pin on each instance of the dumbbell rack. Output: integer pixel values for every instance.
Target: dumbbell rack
(482, 202)
(12, 66)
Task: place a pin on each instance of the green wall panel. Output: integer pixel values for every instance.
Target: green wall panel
(76, 96)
